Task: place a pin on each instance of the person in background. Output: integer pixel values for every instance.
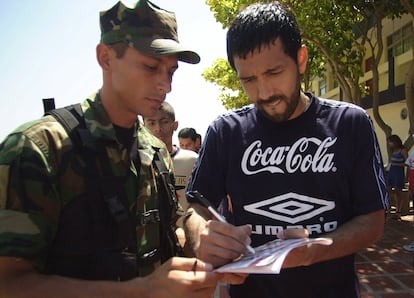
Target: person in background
(293, 164)
(70, 230)
(410, 163)
(396, 172)
(198, 143)
(162, 125)
(187, 138)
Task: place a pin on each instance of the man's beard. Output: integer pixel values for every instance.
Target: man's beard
(291, 104)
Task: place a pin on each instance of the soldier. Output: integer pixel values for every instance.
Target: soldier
(82, 198)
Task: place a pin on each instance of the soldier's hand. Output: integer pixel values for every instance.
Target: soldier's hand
(183, 277)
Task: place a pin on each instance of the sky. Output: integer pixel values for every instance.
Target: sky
(48, 50)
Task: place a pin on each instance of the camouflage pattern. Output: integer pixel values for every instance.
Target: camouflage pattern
(145, 27)
(121, 23)
(36, 183)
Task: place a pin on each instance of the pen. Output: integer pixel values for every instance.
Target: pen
(194, 269)
(198, 197)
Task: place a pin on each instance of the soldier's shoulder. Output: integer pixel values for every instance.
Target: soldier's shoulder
(40, 133)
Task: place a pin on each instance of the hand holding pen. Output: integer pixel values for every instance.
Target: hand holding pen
(199, 198)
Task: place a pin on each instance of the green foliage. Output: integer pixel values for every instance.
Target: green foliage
(232, 95)
(316, 65)
(328, 28)
(327, 32)
(226, 10)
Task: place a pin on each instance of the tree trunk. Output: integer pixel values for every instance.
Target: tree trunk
(376, 55)
(409, 85)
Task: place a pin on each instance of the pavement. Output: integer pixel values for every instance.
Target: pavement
(385, 269)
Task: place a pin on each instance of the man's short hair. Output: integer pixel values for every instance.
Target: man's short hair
(188, 132)
(259, 25)
(168, 110)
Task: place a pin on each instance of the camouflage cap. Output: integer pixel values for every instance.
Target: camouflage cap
(146, 27)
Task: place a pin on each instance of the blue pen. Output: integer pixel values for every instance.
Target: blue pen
(198, 197)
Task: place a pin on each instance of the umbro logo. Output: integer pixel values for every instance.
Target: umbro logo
(290, 207)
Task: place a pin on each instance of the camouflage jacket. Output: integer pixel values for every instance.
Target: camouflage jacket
(37, 182)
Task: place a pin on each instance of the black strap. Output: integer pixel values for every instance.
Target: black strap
(168, 181)
(71, 118)
(168, 201)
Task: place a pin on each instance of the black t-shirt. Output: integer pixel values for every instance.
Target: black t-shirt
(126, 136)
(316, 171)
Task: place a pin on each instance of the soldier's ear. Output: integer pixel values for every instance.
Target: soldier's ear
(103, 55)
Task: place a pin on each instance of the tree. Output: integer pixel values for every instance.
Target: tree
(371, 33)
(329, 26)
(409, 82)
(232, 95)
(337, 34)
(352, 28)
(221, 74)
(332, 47)
(373, 13)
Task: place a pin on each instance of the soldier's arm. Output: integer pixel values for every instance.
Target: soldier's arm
(18, 278)
(178, 277)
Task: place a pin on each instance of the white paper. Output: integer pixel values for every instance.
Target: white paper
(269, 257)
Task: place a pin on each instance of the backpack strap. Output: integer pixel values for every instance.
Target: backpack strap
(168, 207)
(71, 118)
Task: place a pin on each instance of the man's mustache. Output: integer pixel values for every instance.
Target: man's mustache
(271, 99)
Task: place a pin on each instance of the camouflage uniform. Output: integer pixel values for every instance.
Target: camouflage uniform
(39, 178)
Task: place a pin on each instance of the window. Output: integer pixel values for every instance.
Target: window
(400, 41)
(322, 86)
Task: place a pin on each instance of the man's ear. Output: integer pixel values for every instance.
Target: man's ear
(302, 59)
(175, 125)
(103, 55)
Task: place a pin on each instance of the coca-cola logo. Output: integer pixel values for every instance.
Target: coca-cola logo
(306, 154)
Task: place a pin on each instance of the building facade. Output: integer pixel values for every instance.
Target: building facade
(394, 65)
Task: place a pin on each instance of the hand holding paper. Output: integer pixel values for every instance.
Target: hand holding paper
(269, 257)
